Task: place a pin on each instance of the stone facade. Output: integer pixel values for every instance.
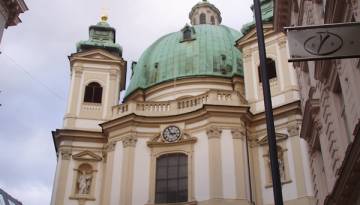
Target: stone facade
(330, 103)
(9, 13)
(108, 153)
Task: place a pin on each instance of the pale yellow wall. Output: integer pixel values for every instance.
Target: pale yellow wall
(284, 88)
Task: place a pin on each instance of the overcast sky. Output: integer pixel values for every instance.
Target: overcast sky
(34, 74)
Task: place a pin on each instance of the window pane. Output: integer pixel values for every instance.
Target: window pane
(173, 172)
(88, 94)
(161, 186)
(160, 197)
(172, 185)
(173, 161)
(97, 94)
(161, 173)
(183, 184)
(183, 171)
(171, 197)
(183, 160)
(182, 196)
(161, 162)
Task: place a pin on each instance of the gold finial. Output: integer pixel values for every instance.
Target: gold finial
(104, 14)
(104, 18)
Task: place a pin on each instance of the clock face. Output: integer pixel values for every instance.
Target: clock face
(171, 134)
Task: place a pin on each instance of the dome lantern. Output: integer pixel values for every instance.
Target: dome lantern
(205, 13)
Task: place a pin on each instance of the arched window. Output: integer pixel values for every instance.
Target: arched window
(212, 20)
(271, 69)
(171, 178)
(202, 18)
(93, 93)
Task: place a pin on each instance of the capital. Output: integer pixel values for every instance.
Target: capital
(65, 154)
(238, 133)
(129, 142)
(213, 132)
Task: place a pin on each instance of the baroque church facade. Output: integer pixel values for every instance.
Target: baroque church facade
(191, 128)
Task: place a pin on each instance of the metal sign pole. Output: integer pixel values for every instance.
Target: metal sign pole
(268, 107)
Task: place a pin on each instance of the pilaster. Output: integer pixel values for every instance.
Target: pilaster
(294, 132)
(63, 171)
(215, 167)
(127, 177)
(108, 173)
(240, 162)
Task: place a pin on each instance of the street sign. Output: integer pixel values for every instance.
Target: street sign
(329, 41)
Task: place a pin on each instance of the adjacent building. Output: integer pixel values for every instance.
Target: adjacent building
(330, 103)
(9, 13)
(191, 128)
(6, 199)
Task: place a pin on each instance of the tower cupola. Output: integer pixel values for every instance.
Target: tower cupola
(102, 36)
(205, 13)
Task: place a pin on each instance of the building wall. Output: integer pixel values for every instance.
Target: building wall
(330, 97)
(284, 88)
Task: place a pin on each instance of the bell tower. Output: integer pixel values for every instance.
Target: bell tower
(205, 13)
(98, 74)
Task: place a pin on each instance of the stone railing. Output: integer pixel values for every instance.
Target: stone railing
(91, 107)
(174, 107)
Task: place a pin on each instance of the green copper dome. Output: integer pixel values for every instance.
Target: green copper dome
(267, 12)
(201, 50)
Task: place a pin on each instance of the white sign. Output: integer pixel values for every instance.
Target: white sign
(331, 41)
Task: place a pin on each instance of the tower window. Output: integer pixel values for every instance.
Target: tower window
(171, 178)
(93, 93)
(271, 69)
(212, 20)
(202, 18)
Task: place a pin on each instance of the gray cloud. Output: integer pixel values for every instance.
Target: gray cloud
(41, 44)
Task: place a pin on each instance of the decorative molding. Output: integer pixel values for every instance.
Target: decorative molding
(66, 154)
(293, 129)
(129, 142)
(238, 133)
(158, 141)
(86, 156)
(282, 42)
(264, 140)
(110, 147)
(213, 132)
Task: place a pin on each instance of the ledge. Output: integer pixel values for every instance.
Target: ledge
(181, 203)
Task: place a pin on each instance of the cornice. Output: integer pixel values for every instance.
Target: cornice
(205, 111)
(312, 108)
(144, 93)
(76, 135)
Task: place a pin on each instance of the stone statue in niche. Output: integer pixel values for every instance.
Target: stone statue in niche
(281, 162)
(84, 179)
